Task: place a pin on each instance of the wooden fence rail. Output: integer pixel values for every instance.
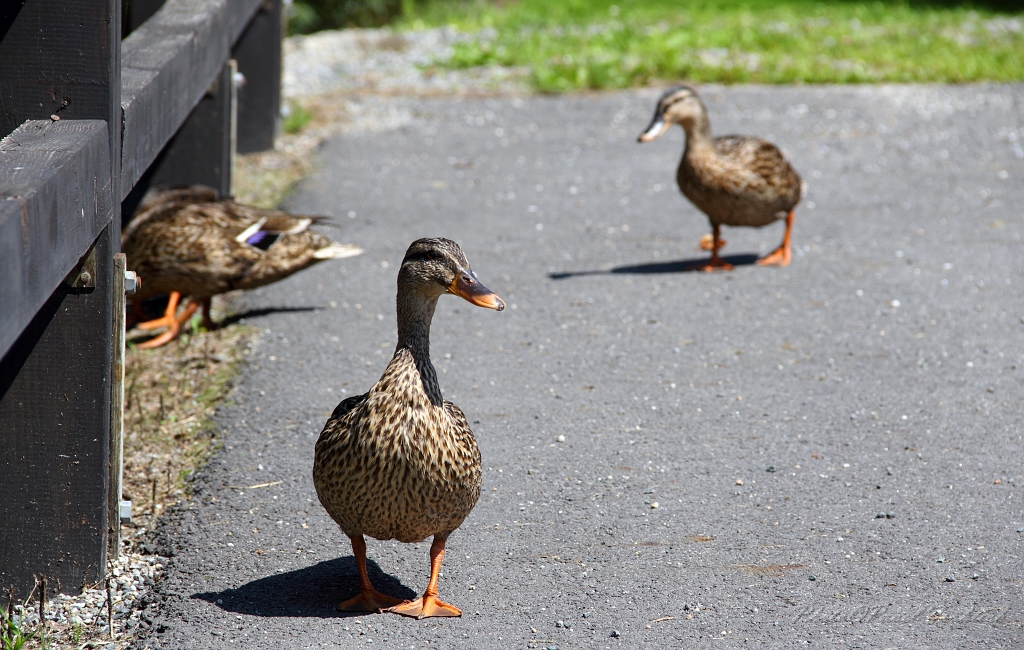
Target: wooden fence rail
(90, 121)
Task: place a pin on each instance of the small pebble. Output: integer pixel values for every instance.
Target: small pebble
(654, 506)
(880, 515)
(950, 578)
(770, 468)
(739, 481)
(615, 634)
(975, 576)
(941, 560)
(560, 439)
(811, 578)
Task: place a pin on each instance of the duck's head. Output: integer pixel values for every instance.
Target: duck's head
(437, 266)
(679, 105)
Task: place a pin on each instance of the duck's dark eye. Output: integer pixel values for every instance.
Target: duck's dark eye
(431, 255)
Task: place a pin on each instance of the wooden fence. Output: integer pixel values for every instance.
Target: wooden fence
(99, 101)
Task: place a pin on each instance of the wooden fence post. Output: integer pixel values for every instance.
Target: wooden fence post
(54, 424)
(89, 131)
(258, 52)
(60, 59)
(199, 153)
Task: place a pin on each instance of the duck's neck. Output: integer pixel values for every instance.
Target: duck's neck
(698, 133)
(415, 311)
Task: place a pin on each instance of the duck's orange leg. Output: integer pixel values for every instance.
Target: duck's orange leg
(368, 599)
(716, 263)
(781, 255)
(429, 604)
(174, 327)
(707, 243)
(167, 320)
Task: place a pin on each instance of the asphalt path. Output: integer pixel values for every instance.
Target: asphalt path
(829, 453)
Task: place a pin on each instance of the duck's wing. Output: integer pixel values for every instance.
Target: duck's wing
(347, 405)
(760, 163)
(291, 253)
(460, 427)
(338, 427)
(263, 227)
(188, 248)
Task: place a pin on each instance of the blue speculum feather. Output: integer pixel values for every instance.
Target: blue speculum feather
(262, 239)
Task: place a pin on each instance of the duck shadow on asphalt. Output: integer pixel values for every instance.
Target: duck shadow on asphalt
(141, 336)
(313, 591)
(677, 266)
(265, 311)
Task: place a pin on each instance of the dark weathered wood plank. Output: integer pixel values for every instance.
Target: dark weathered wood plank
(136, 12)
(169, 63)
(55, 198)
(62, 58)
(258, 52)
(200, 152)
(54, 423)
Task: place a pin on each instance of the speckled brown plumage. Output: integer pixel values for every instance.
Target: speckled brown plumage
(179, 244)
(400, 462)
(393, 465)
(736, 180)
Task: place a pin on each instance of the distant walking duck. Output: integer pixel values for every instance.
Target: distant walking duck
(184, 242)
(736, 180)
(400, 462)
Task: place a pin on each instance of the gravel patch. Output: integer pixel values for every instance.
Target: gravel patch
(361, 81)
(86, 617)
(388, 62)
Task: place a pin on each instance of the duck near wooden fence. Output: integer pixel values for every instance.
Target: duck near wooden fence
(185, 242)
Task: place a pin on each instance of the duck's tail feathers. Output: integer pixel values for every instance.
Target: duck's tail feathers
(338, 252)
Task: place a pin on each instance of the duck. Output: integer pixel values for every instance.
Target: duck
(187, 242)
(736, 180)
(399, 461)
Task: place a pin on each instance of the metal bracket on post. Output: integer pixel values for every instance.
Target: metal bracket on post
(82, 278)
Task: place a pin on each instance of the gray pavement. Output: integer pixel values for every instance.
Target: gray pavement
(771, 415)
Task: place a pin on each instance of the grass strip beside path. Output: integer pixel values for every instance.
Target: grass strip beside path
(580, 44)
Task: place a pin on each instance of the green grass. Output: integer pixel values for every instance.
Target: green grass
(296, 118)
(13, 636)
(581, 44)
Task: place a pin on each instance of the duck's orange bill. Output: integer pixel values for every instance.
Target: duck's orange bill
(466, 286)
